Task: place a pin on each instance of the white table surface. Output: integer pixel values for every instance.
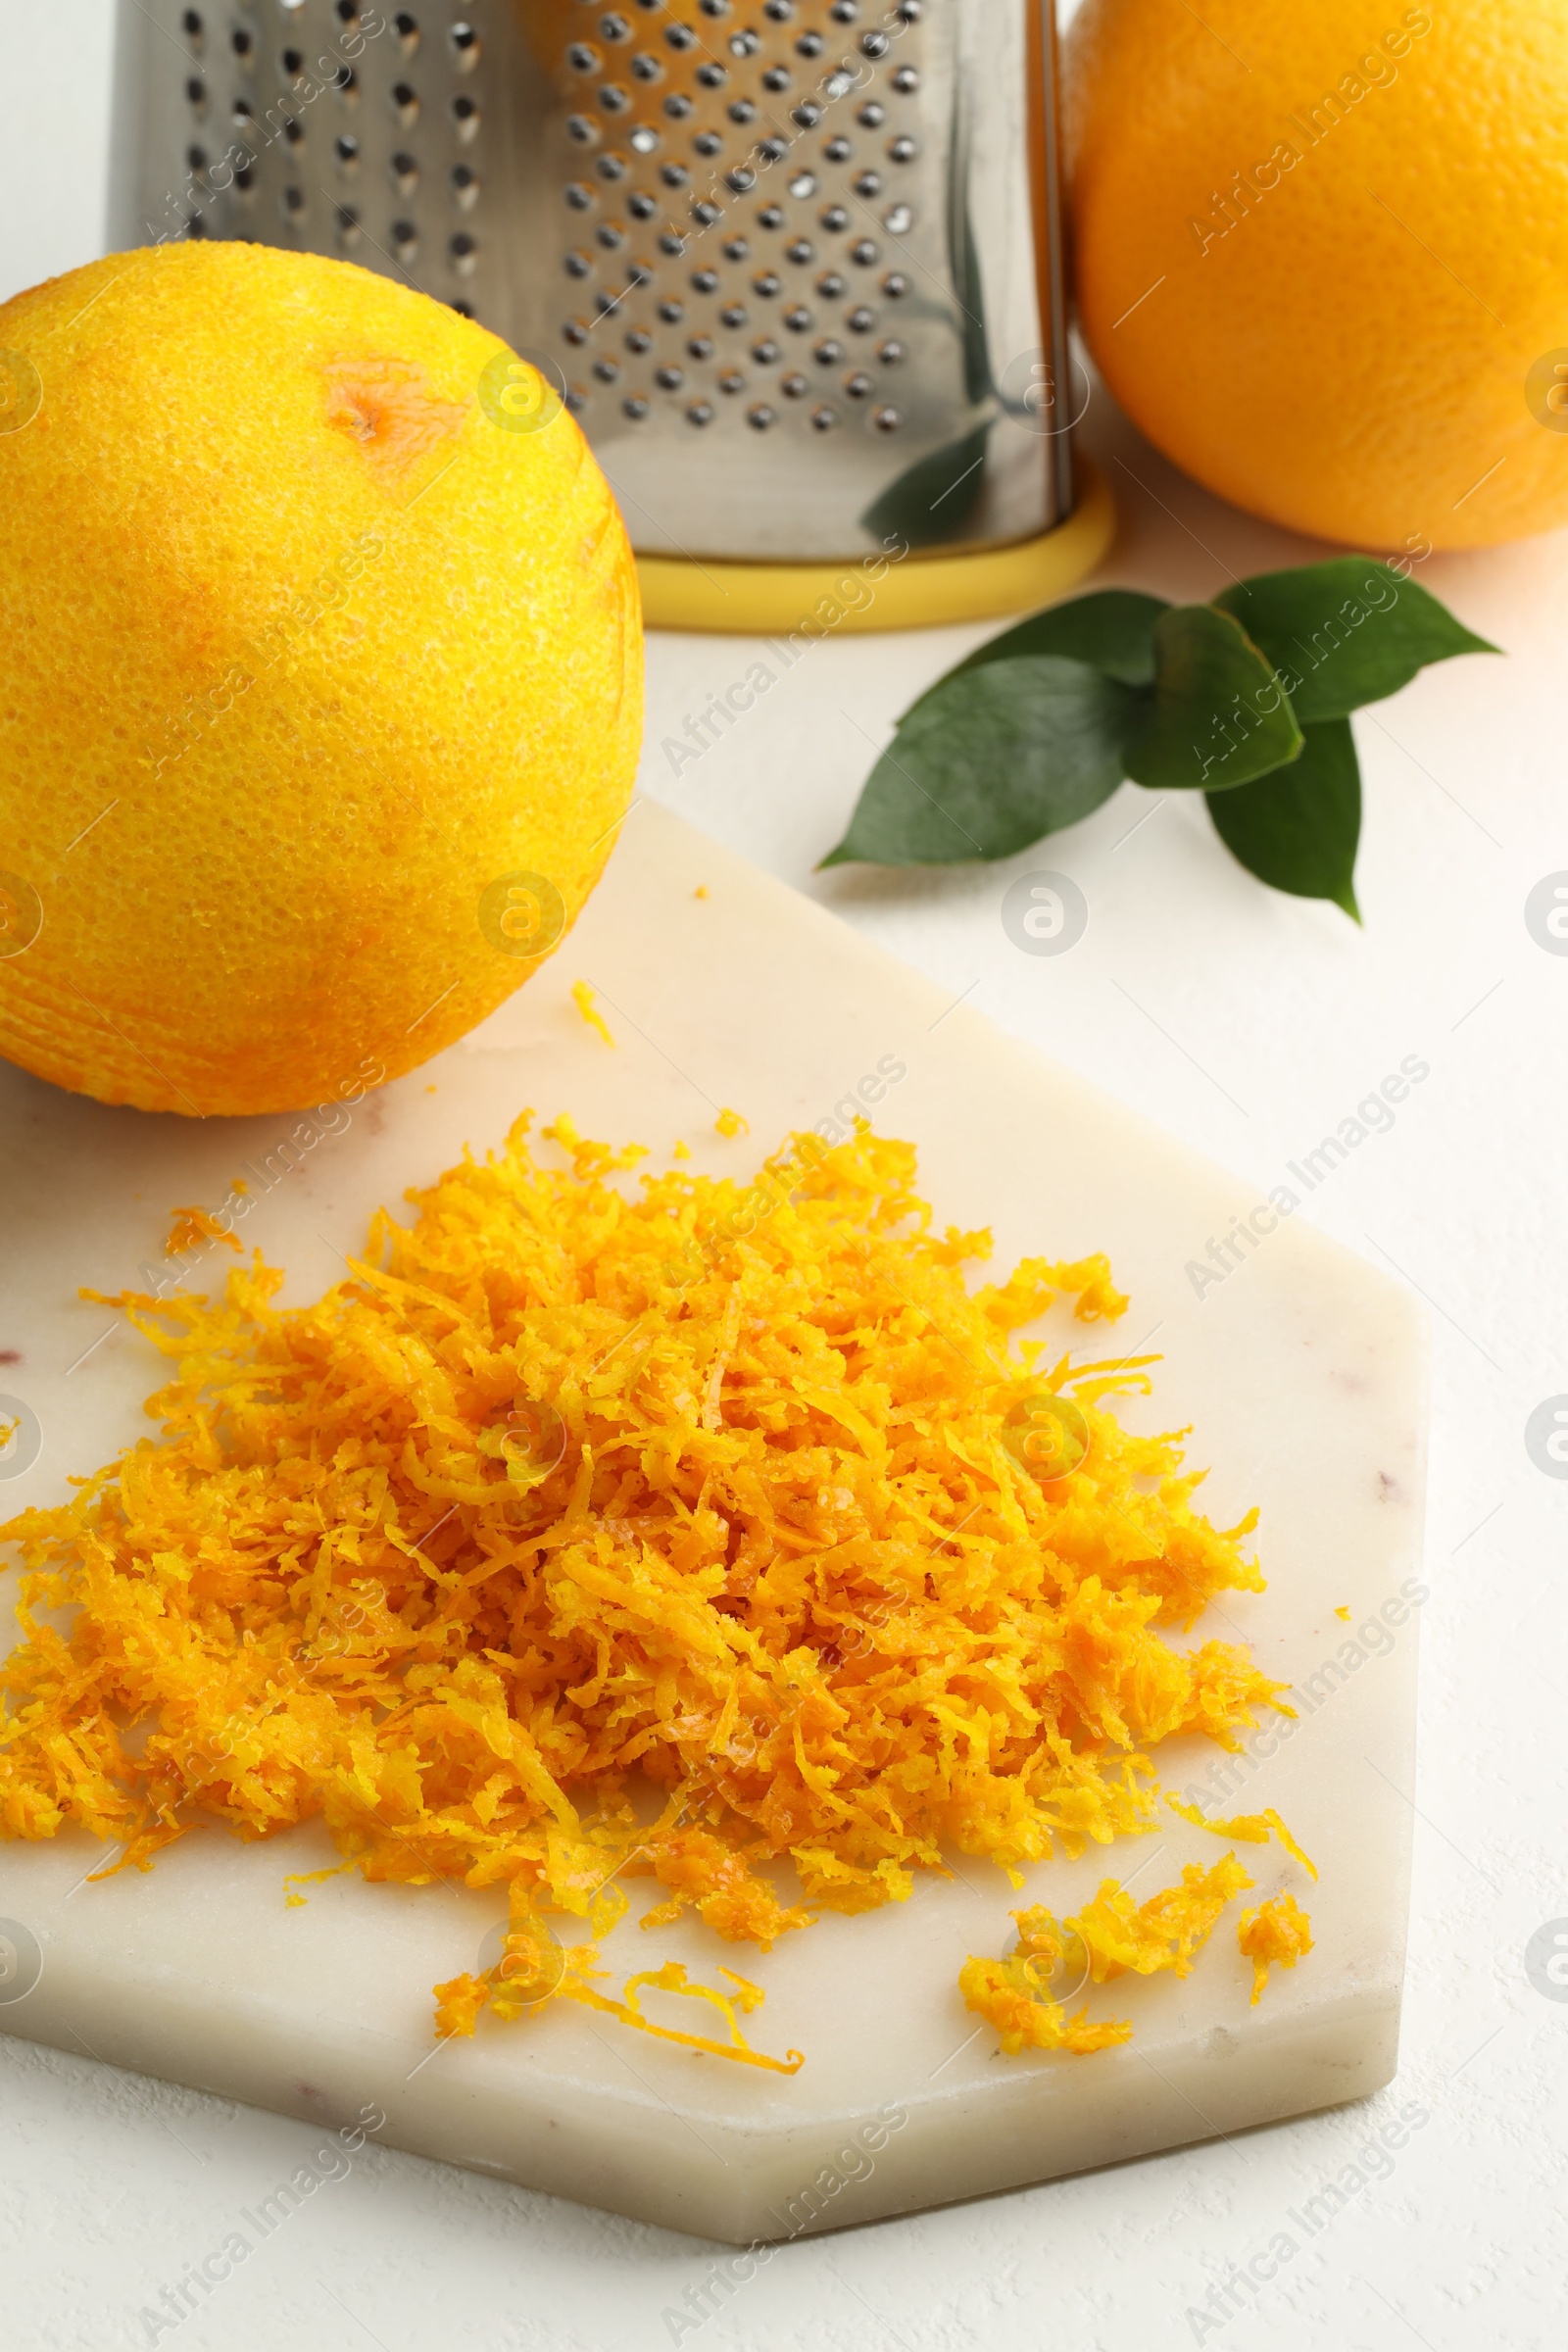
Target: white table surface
(1249, 1024)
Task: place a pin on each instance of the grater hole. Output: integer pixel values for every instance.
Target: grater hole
(405, 175)
(899, 219)
(608, 370)
(678, 108)
(699, 347)
(803, 185)
(864, 254)
(576, 330)
(731, 382)
(577, 194)
(405, 240)
(861, 319)
(348, 12)
(799, 251)
(680, 38)
(646, 69)
(809, 44)
(191, 26)
(713, 8)
(242, 43)
(875, 44)
(892, 353)
(770, 216)
(745, 44)
(615, 28)
(669, 379)
(196, 96)
(292, 61)
(613, 99)
(740, 110)
(779, 10)
(732, 316)
(466, 118)
(577, 400)
(347, 150)
(672, 244)
(895, 286)
(905, 79)
(827, 353)
(465, 183)
(196, 159)
(765, 285)
(293, 202)
(346, 82)
(672, 312)
(611, 235)
(464, 310)
(707, 142)
(761, 417)
(765, 352)
(867, 184)
(699, 413)
(405, 103)
(795, 388)
(834, 219)
(901, 150)
(711, 76)
(837, 151)
(858, 386)
(581, 128)
(466, 47)
(294, 132)
(705, 281)
(583, 59)
(799, 319)
(407, 30)
(638, 340)
(776, 78)
(830, 285)
(824, 419)
(871, 116)
(735, 249)
(887, 421)
(348, 226)
(579, 265)
(674, 176)
(642, 207)
(636, 408)
(245, 179)
(464, 252)
(645, 138)
(611, 165)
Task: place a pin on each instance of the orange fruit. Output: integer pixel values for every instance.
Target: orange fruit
(1321, 254)
(320, 677)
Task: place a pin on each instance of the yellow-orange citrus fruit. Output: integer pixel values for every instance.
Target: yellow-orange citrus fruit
(320, 677)
(1321, 254)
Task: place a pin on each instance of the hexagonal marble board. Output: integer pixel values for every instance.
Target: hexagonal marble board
(1303, 1378)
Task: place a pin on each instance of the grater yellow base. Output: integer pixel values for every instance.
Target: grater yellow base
(761, 599)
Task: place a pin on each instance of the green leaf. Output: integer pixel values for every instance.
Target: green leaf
(1112, 631)
(990, 759)
(1346, 632)
(1219, 716)
(933, 499)
(1298, 830)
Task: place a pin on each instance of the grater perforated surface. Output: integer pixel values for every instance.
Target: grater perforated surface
(790, 261)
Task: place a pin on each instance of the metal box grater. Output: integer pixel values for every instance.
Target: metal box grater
(794, 264)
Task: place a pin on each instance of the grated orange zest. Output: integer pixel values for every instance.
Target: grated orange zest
(785, 1595)
(1252, 1829)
